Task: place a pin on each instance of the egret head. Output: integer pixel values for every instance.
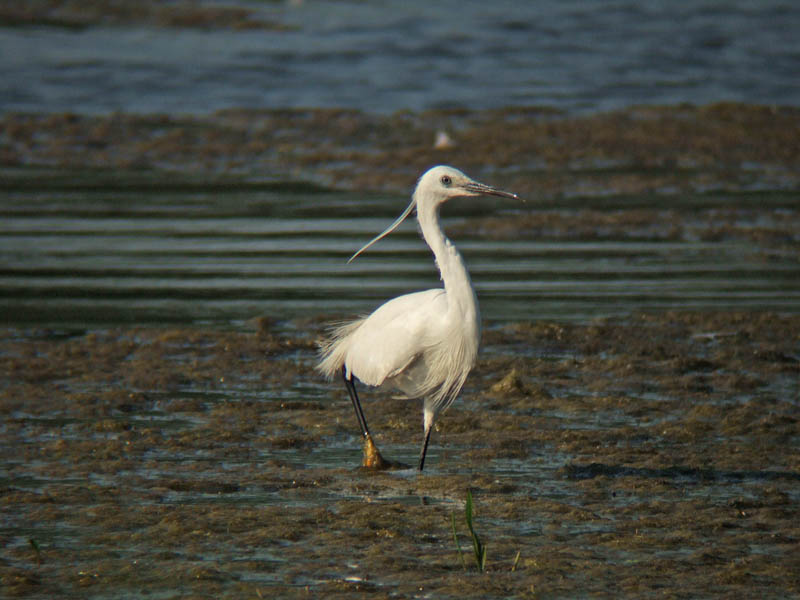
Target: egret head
(441, 183)
(436, 186)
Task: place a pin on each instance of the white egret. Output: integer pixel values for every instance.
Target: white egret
(424, 343)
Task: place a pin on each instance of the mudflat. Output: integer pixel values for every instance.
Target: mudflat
(654, 454)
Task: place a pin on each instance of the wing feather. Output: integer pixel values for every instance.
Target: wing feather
(392, 337)
(412, 343)
(384, 344)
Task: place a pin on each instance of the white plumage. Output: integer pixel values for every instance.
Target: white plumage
(425, 343)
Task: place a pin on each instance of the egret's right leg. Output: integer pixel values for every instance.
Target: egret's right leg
(372, 457)
(351, 389)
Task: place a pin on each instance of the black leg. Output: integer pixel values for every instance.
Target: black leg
(424, 447)
(351, 389)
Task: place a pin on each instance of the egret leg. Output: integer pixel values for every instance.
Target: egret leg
(424, 446)
(372, 457)
(351, 389)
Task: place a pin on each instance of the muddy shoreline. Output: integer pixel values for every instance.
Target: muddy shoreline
(536, 151)
(651, 456)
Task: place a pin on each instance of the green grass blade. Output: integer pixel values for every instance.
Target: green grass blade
(516, 561)
(477, 547)
(455, 539)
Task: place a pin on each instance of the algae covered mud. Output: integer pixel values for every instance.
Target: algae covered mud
(632, 427)
(649, 456)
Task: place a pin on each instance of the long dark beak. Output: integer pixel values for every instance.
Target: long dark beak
(481, 188)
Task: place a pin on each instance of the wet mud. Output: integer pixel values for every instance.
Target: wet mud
(540, 153)
(653, 455)
(650, 456)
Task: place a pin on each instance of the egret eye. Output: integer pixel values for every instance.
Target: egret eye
(446, 181)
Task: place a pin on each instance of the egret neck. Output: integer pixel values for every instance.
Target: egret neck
(461, 300)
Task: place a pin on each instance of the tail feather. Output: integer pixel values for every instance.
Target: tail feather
(333, 349)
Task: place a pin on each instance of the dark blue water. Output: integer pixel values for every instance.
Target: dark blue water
(388, 56)
(107, 259)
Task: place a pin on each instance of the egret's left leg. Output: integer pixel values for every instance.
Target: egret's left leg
(424, 447)
(428, 418)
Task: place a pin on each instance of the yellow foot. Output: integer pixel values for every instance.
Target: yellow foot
(374, 460)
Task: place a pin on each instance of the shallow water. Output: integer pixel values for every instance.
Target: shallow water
(109, 257)
(386, 57)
